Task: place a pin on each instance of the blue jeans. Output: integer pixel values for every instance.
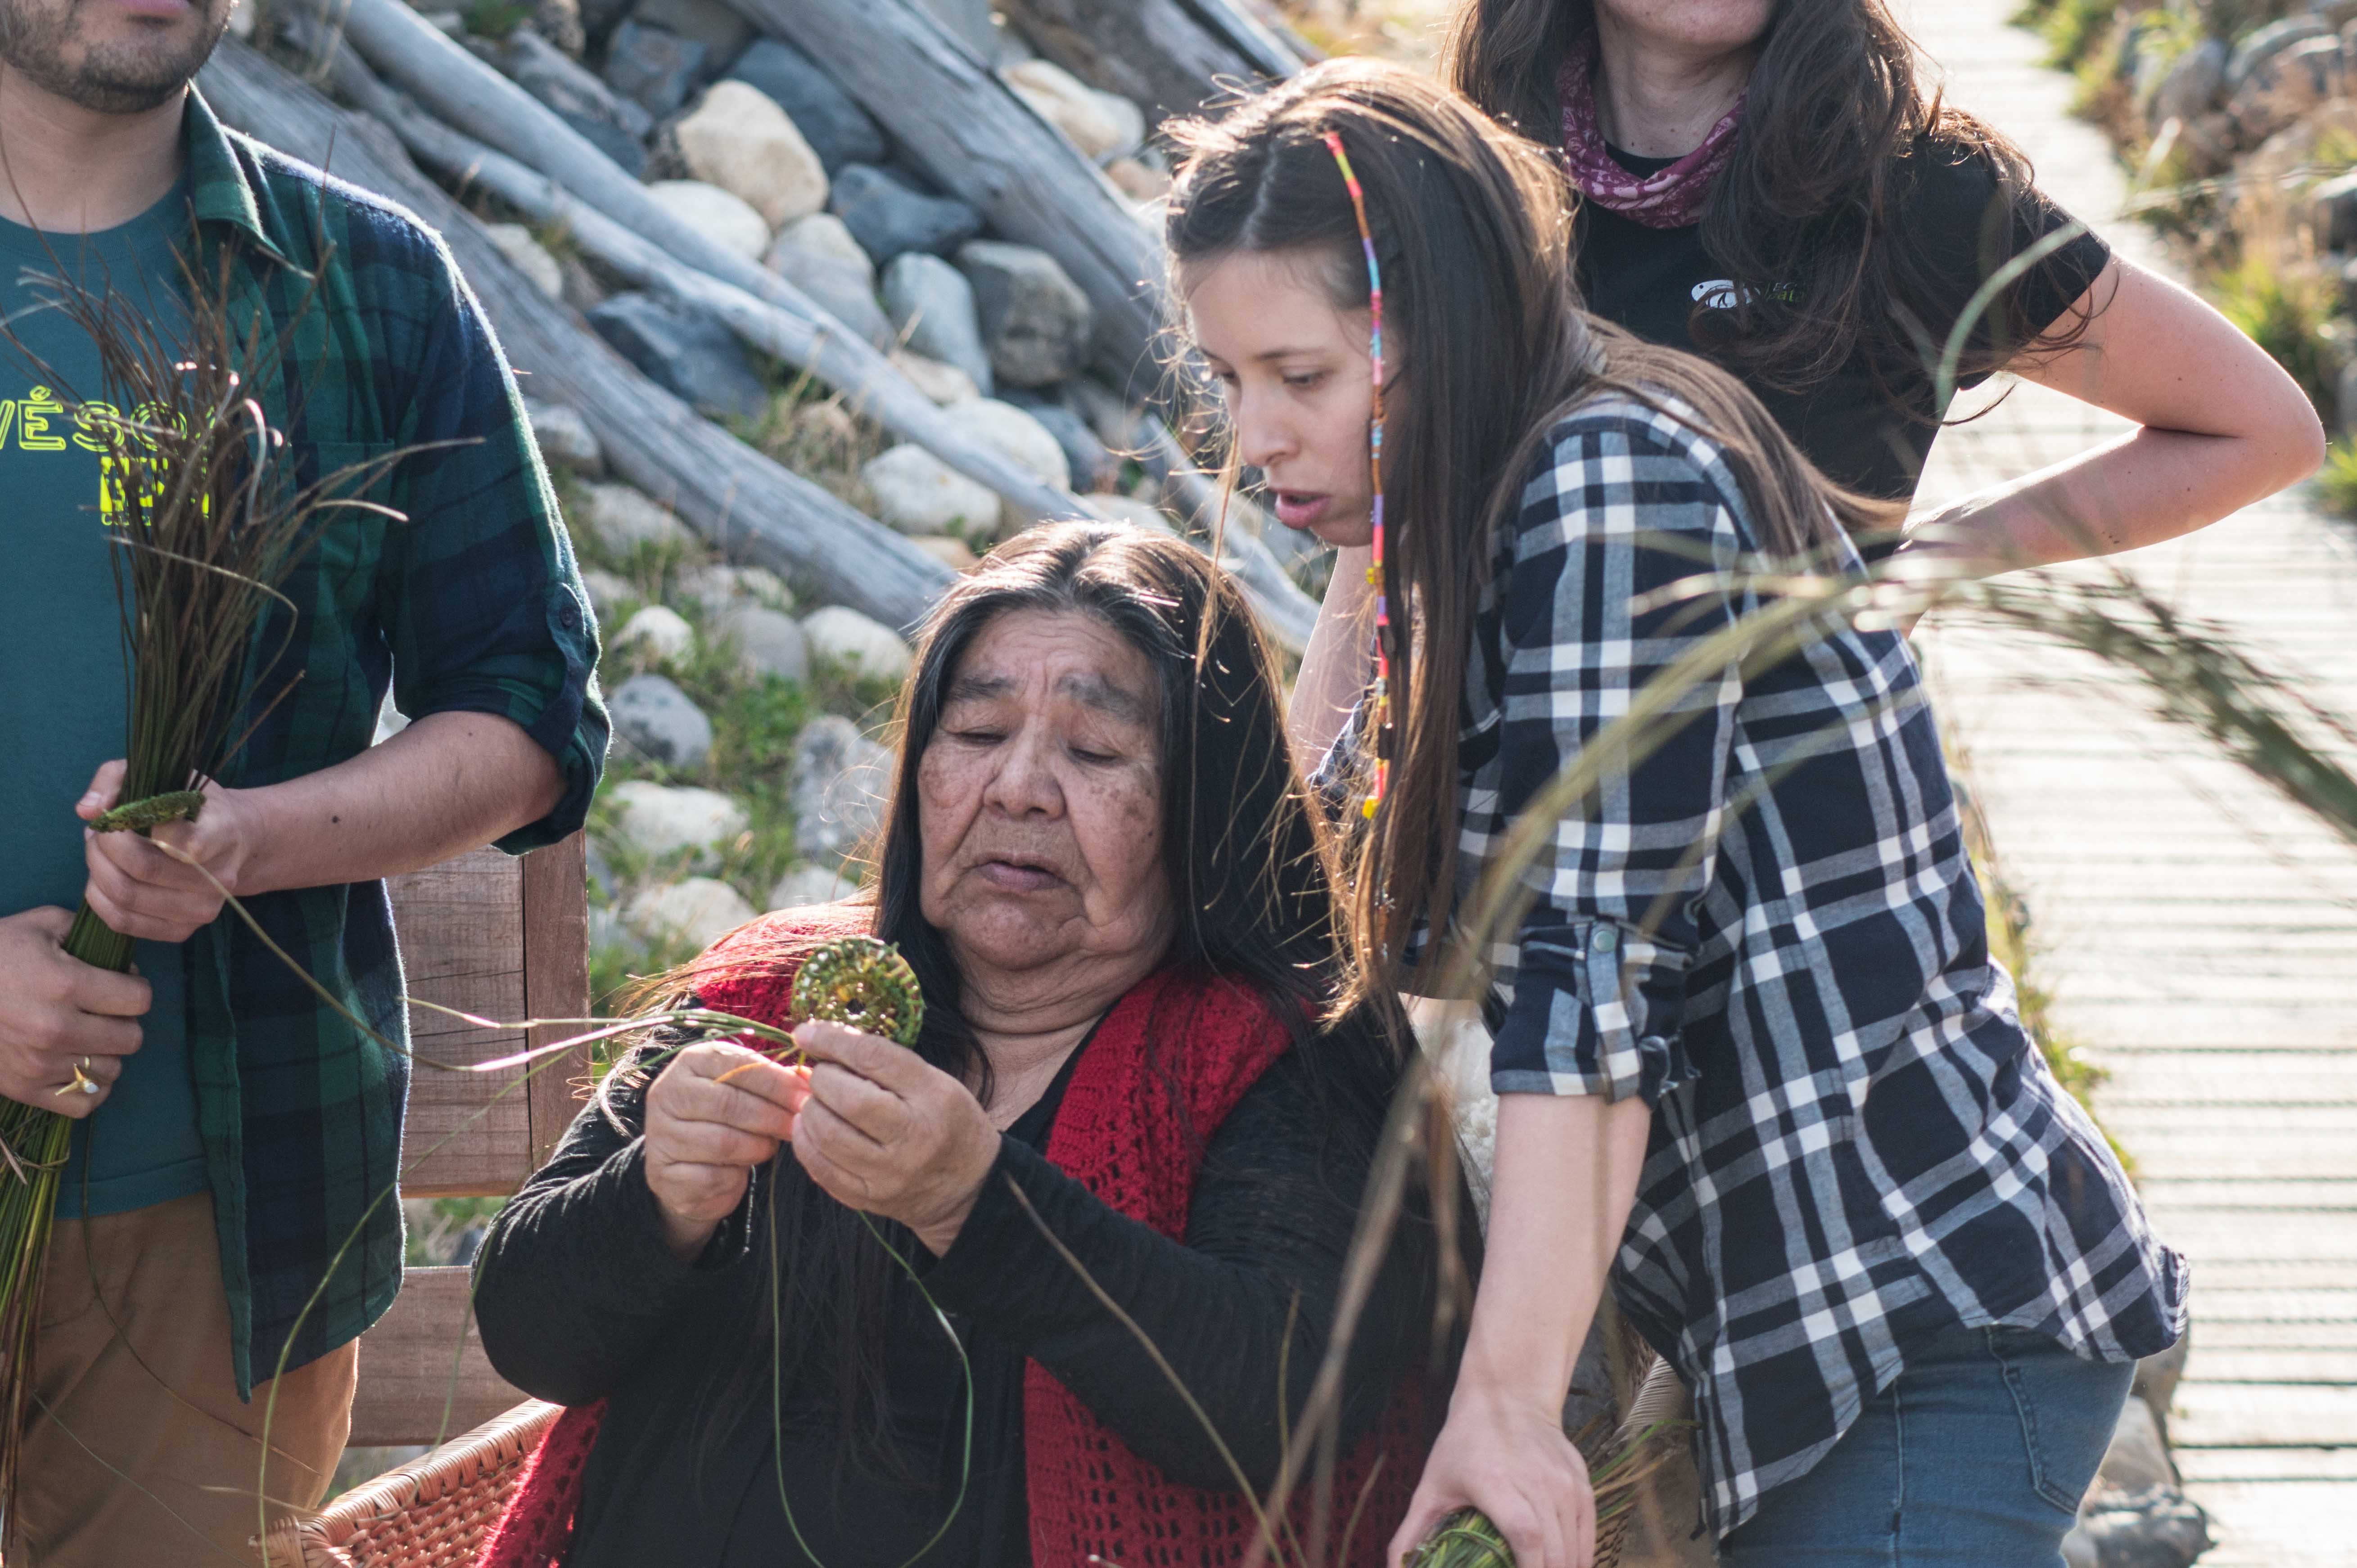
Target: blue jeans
(1978, 1456)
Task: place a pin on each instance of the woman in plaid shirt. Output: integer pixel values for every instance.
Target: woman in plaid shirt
(1758, 1071)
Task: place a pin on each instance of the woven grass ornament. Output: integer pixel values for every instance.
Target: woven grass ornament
(863, 984)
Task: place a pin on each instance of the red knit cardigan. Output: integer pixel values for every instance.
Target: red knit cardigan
(1156, 1080)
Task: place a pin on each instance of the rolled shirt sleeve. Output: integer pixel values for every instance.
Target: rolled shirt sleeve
(1616, 511)
(483, 604)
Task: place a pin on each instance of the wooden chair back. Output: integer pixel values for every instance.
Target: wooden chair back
(501, 937)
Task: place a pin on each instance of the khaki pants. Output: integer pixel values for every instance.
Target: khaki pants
(138, 1450)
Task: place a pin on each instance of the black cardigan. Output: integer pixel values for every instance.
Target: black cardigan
(579, 1299)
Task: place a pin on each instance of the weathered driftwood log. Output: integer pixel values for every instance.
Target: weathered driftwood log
(1288, 613)
(1272, 49)
(730, 494)
(972, 137)
(898, 408)
(1160, 52)
(496, 114)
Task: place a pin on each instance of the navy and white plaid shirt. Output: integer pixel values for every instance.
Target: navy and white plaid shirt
(1771, 929)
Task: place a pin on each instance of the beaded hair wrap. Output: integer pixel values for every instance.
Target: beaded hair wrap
(1379, 700)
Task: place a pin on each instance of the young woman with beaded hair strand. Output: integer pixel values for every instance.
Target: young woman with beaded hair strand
(1758, 1072)
(1771, 184)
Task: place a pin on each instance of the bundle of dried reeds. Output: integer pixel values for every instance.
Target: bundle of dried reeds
(206, 520)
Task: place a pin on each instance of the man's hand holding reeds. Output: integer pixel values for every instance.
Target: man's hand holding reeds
(887, 1133)
(143, 889)
(57, 1013)
(703, 1137)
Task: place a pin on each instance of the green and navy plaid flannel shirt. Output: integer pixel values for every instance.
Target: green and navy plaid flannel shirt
(473, 604)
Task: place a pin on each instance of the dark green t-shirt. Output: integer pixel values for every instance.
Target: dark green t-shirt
(62, 695)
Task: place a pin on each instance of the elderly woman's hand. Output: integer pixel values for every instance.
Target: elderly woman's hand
(886, 1131)
(703, 1137)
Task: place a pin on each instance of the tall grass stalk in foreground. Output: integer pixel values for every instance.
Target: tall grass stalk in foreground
(205, 520)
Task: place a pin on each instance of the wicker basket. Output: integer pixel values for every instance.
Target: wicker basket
(432, 1513)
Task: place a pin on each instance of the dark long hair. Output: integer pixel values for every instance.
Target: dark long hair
(1248, 861)
(1836, 125)
(1469, 226)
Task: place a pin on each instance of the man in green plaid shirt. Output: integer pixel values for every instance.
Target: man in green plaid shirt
(228, 1226)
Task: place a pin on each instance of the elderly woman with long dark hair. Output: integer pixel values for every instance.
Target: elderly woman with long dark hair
(1140, 1073)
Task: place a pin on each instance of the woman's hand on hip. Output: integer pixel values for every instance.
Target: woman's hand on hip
(886, 1131)
(703, 1136)
(1505, 1454)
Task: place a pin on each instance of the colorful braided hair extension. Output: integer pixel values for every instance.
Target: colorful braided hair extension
(1379, 701)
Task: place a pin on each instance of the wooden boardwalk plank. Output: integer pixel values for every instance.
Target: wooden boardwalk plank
(2266, 1415)
(2268, 1464)
(2197, 934)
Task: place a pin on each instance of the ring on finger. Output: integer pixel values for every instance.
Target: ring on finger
(81, 1080)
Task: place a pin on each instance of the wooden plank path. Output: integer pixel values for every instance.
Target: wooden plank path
(2198, 935)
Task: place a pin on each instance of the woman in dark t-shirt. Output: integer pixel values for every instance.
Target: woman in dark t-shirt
(1769, 184)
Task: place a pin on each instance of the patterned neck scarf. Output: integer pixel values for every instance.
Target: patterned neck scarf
(1671, 198)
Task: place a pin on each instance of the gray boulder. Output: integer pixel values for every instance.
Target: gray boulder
(818, 255)
(720, 215)
(804, 886)
(1093, 467)
(598, 17)
(617, 144)
(528, 256)
(716, 588)
(2157, 1529)
(694, 911)
(652, 67)
(767, 642)
(566, 438)
(932, 307)
(658, 634)
(1017, 433)
(2264, 44)
(840, 782)
(740, 140)
(623, 519)
(615, 126)
(2284, 86)
(918, 494)
(566, 85)
(723, 33)
(1035, 322)
(836, 127)
(686, 825)
(660, 722)
(2191, 85)
(842, 634)
(685, 352)
(559, 21)
(889, 217)
(597, 873)
(608, 593)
